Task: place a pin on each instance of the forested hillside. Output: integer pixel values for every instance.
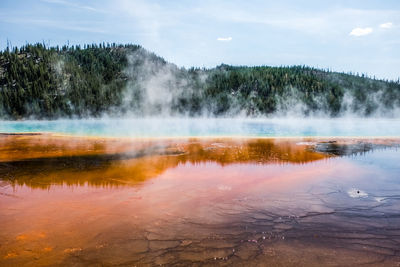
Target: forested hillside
(109, 79)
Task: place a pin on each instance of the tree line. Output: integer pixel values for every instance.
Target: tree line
(90, 81)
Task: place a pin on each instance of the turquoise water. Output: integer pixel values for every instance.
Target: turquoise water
(209, 127)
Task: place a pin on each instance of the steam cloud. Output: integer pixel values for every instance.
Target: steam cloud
(159, 89)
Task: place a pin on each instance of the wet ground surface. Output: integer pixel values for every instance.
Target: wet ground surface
(234, 202)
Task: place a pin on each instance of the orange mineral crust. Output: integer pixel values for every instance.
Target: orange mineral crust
(216, 201)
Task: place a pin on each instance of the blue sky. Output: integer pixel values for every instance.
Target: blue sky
(358, 36)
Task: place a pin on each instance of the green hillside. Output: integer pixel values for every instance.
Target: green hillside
(109, 79)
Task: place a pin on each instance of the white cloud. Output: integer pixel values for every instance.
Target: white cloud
(361, 31)
(224, 39)
(386, 25)
(65, 25)
(71, 4)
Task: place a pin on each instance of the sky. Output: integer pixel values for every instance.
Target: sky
(359, 36)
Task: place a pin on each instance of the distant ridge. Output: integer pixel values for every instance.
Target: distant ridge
(108, 79)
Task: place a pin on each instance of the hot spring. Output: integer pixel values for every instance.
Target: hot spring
(231, 192)
(190, 127)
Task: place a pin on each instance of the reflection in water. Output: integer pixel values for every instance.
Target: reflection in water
(197, 201)
(45, 160)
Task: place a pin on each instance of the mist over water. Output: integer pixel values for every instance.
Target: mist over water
(156, 88)
(200, 127)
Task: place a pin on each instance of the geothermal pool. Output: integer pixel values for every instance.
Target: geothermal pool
(192, 127)
(284, 195)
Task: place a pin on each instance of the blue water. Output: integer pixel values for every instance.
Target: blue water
(210, 127)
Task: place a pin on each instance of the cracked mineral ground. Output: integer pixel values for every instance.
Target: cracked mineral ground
(75, 201)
